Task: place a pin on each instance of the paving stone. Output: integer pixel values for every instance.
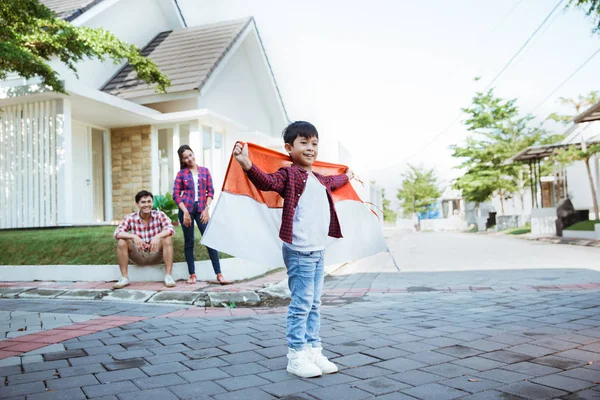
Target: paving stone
(563, 382)
(385, 353)
(31, 377)
(459, 351)
(479, 363)
(239, 347)
(100, 358)
(434, 391)
(166, 358)
(120, 375)
(159, 381)
(204, 364)
(332, 379)
(449, 370)
(355, 360)
(533, 369)
(278, 376)
(197, 390)
(430, 357)
(492, 395)
(81, 370)
(10, 370)
(288, 388)
(506, 357)
(41, 293)
(66, 394)
(115, 388)
(110, 349)
(400, 364)
(584, 395)
(175, 348)
(242, 382)
(63, 355)
(531, 391)
(486, 345)
(243, 357)
(558, 362)
(416, 377)
(585, 374)
(580, 355)
(172, 297)
(249, 298)
(125, 364)
(129, 354)
(246, 394)
(471, 384)
(166, 368)
(367, 371)
(244, 369)
(25, 388)
(42, 366)
(379, 386)
(503, 376)
(209, 374)
(137, 296)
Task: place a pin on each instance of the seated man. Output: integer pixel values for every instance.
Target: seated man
(145, 239)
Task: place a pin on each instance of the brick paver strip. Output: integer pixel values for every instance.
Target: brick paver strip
(34, 341)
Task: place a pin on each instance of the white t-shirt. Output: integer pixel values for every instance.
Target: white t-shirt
(195, 176)
(312, 217)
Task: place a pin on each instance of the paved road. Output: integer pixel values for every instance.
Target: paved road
(515, 340)
(452, 260)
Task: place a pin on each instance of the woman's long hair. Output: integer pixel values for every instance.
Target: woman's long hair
(180, 151)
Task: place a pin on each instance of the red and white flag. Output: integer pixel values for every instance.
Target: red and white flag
(246, 221)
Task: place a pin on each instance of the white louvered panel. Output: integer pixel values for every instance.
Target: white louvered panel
(2, 172)
(53, 166)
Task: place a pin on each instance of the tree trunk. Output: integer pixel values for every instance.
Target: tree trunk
(502, 203)
(594, 197)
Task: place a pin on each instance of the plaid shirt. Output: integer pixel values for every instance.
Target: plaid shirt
(183, 188)
(290, 182)
(134, 224)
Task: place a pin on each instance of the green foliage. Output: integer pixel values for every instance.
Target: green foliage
(389, 215)
(499, 133)
(76, 246)
(582, 102)
(575, 153)
(167, 205)
(583, 225)
(419, 189)
(31, 35)
(591, 9)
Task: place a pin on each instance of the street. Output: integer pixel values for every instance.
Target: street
(470, 317)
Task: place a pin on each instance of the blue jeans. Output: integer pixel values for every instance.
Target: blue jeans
(188, 235)
(306, 271)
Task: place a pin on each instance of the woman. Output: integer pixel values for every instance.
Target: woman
(193, 192)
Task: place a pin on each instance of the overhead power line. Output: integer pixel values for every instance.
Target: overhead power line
(496, 77)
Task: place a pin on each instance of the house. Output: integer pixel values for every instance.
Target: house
(80, 158)
(570, 181)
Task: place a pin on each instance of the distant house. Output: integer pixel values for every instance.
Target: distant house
(565, 182)
(80, 159)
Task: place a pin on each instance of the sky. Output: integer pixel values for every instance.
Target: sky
(387, 78)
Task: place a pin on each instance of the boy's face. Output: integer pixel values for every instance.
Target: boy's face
(303, 151)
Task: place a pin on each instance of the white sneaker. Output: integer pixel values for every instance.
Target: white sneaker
(317, 357)
(121, 283)
(299, 364)
(169, 281)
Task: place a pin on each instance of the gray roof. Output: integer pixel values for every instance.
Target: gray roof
(590, 115)
(69, 9)
(187, 56)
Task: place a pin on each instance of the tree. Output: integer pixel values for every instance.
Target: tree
(591, 9)
(582, 102)
(499, 133)
(575, 153)
(389, 215)
(31, 35)
(419, 189)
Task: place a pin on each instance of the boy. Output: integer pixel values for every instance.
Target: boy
(309, 216)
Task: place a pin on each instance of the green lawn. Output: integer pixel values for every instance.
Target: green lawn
(583, 226)
(73, 246)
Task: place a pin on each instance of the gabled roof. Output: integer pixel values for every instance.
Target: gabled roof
(591, 114)
(69, 9)
(187, 56)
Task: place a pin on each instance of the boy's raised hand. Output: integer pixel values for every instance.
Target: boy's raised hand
(240, 152)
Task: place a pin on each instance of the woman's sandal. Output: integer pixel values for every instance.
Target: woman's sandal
(221, 279)
(192, 279)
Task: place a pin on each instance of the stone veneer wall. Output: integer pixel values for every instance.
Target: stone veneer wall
(131, 167)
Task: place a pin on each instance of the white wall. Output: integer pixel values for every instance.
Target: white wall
(579, 186)
(134, 21)
(236, 94)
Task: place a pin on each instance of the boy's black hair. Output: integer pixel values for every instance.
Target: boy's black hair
(143, 193)
(299, 128)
